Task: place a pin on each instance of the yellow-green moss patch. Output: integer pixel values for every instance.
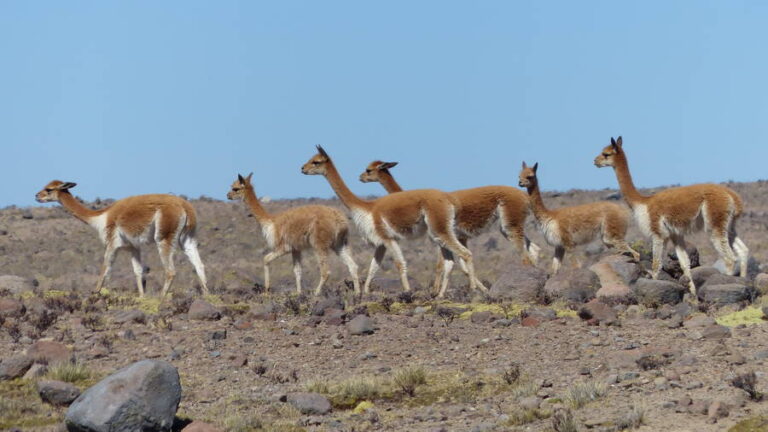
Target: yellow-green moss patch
(749, 315)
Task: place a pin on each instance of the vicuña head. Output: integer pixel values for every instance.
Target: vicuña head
(372, 173)
(610, 153)
(528, 175)
(50, 192)
(167, 220)
(239, 187)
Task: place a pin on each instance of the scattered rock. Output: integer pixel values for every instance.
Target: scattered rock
(50, 352)
(701, 274)
(36, 371)
(57, 392)
(360, 325)
(716, 411)
(540, 313)
(218, 335)
(725, 294)
(653, 293)
(17, 284)
(700, 407)
(11, 308)
(264, 312)
(334, 317)
(700, 321)
(761, 283)
(15, 367)
(142, 396)
(202, 310)
(130, 316)
(753, 267)
(530, 322)
(520, 283)
(671, 265)
(573, 285)
(310, 403)
(318, 309)
(599, 312)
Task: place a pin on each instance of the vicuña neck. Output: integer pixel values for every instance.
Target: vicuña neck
(69, 202)
(537, 203)
(626, 185)
(389, 182)
(253, 203)
(342, 191)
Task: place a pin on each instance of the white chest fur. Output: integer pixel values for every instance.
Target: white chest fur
(643, 218)
(364, 222)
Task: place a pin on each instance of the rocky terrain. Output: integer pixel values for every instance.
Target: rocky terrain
(597, 347)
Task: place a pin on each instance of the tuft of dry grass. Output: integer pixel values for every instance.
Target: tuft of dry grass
(69, 372)
(409, 378)
(562, 421)
(585, 392)
(632, 419)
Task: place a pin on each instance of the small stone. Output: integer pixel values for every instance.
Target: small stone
(716, 411)
(57, 392)
(598, 311)
(653, 293)
(130, 316)
(761, 283)
(14, 367)
(243, 324)
(725, 293)
(361, 325)
(693, 385)
(309, 403)
(203, 311)
(10, 308)
(716, 332)
(318, 309)
(481, 317)
(530, 322)
(699, 407)
(238, 360)
(36, 371)
(50, 352)
(218, 335)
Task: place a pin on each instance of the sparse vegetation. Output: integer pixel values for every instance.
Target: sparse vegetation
(632, 419)
(562, 421)
(585, 392)
(511, 374)
(748, 382)
(521, 416)
(410, 378)
(69, 372)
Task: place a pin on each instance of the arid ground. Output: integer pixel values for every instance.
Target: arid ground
(466, 363)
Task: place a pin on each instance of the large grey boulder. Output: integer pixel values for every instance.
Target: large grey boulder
(574, 285)
(57, 392)
(521, 283)
(14, 367)
(141, 397)
(725, 293)
(701, 274)
(654, 293)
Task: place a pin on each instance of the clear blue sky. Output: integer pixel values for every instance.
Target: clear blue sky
(139, 97)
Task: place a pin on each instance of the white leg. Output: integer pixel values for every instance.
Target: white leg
(658, 253)
(190, 250)
(685, 262)
(439, 269)
(378, 257)
(138, 269)
(322, 263)
(166, 257)
(448, 262)
(106, 268)
(296, 256)
(557, 260)
(346, 256)
(402, 267)
(723, 248)
(268, 258)
(742, 251)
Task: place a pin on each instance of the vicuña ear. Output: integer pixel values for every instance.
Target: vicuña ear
(535, 167)
(240, 179)
(524, 165)
(619, 142)
(322, 152)
(388, 165)
(248, 179)
(67, 185)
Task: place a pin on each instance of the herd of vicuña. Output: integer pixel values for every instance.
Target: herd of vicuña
(449, 220)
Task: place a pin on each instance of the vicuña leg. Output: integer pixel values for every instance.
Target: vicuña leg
(190, 250)
(743, 253)
(441, 224)
(723, 247)
(325, 272)
(106, 267)
(138, 269)
(685, 261)
(447, 266)
(557, 260)
(378, 257)
(296, 256)
(346, 256)
(658, 245)
(268, 258)
(439, 270)
(402, 266)
(166, 257)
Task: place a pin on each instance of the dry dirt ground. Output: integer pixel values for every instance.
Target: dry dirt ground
(640, 373)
